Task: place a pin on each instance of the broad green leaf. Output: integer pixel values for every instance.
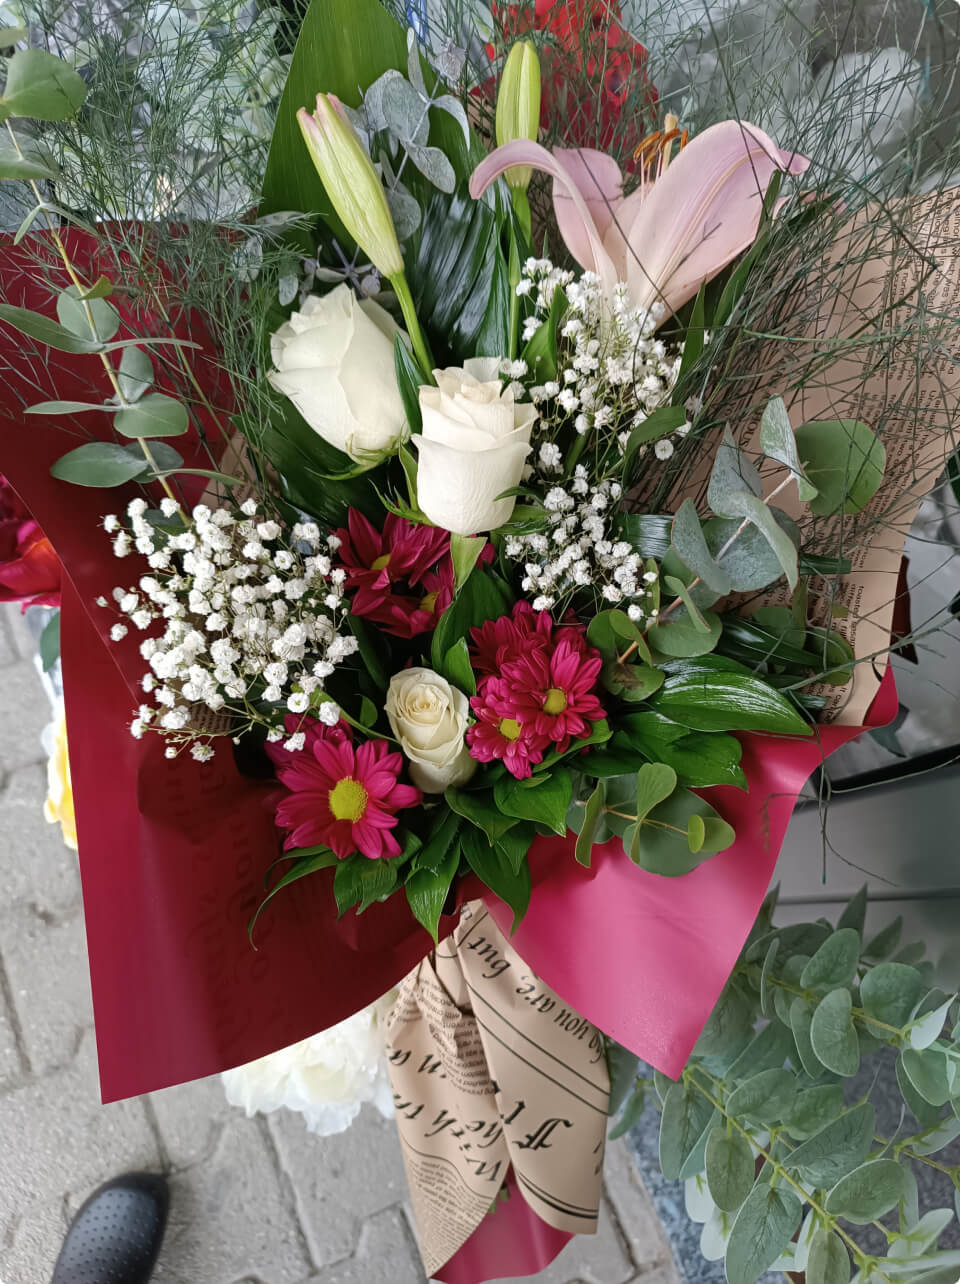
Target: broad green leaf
(154, 415)
(359, 882)
(464, 551)
(483, 597)
(41, 87)
(696, 1161)
(612, 632)
(926, 1115)
(72, 314)
(938, 1138)
(837, 1148)
(592, 814)
(479, 808)
(765, 1225)
(546, 803)
(49, 644)
(135, 373)
(813, 1109)
(680, 636)
(456, 667)
(515, 844)
(427, 891)
(632, 683)
(828, 1262)
(886, 941)
(632, 1111)
(833, 1035)
(409, 380)
(801, 1018)
(659, 844)
(766, 1097)
(622, 1066)
(835, 963)
(855, 911)
(322, 859)
(730, 1168)
(439, 843)
(927, 1024)
(844, 460)
(686, 1116)
(929, 1072)
(655, 783)
(732, 474)
(767, 999)
(748, 561)
(99, 463)
(31, 165)
(44, 330)
(65, 407)
(699, 759)
(689, 544)
(868, 1192)
(717, 701)
(778, 442)
(728, 1025)
(540, 352)
(767, 1050)
(493, 868)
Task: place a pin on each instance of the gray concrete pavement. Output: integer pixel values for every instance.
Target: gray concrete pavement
(257, 1201)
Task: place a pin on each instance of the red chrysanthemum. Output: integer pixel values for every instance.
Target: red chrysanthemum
(553, 692)
(496, 642)
(499, 734)
(342, 795)
(29, 568)
(401, 577)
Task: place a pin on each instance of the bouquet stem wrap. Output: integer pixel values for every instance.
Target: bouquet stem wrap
(493, 1073)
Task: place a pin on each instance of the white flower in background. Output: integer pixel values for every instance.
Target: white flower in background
(58, 806)
(429, 717)
(334, 360)
(475, 441)
(326, 1078)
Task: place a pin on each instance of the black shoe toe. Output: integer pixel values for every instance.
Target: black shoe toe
(116, 1235)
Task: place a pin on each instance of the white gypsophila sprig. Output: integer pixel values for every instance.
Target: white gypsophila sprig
(251, 618)
(613, 372)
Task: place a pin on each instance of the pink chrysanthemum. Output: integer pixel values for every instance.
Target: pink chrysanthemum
(497, 642)
(552, 690)
(498, 733)
(341, 795)
(401, 577)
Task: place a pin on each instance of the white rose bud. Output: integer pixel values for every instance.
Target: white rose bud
(473, 447)
(429, 717)
(334, 360)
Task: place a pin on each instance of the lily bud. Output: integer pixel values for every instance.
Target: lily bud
(352, 184)
(518, 105)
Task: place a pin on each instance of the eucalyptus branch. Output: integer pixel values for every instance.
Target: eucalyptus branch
(81, 289)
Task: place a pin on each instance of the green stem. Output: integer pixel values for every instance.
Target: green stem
(420, 349)
(521, 207)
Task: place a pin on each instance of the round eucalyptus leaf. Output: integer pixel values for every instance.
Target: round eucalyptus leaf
(828, 1262)
(99, 463)
(100, 324)
(868, 1192)
(730, 1168)
(153, 416)
(844, 460)
(41, 86)
(833, 1035)
(764, 1227)
(835, 963)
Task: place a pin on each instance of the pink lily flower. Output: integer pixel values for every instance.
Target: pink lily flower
(674, 231)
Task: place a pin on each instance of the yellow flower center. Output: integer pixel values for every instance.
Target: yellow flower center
(380, 562)
(556, 701)
(509, 728)
(348, 800)
(429, 603)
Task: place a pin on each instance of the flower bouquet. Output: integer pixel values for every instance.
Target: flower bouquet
(482, 603)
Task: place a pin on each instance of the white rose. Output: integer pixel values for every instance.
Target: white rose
(474, 443)
(429, 717)
(326, 1078)
(334, 360)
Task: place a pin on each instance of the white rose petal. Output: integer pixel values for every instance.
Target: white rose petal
(429, 717)
(474, 443)
(334, 360)
(326, 1078)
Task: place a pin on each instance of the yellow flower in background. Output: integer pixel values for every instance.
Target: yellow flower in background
(59, 804)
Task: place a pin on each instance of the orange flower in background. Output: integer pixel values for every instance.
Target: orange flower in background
(591, 70)
(29, 568)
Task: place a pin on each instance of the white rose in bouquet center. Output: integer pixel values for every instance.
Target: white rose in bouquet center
(334, 360)
(474, 443)
(326, 1078)
(429, 717)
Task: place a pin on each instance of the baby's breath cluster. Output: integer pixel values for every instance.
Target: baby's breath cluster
(251, 615)
(613, 372)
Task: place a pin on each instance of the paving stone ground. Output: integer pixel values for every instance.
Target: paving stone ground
(255, 1201)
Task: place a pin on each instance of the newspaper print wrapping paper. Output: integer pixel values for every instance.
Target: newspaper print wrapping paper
(492, 1070)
